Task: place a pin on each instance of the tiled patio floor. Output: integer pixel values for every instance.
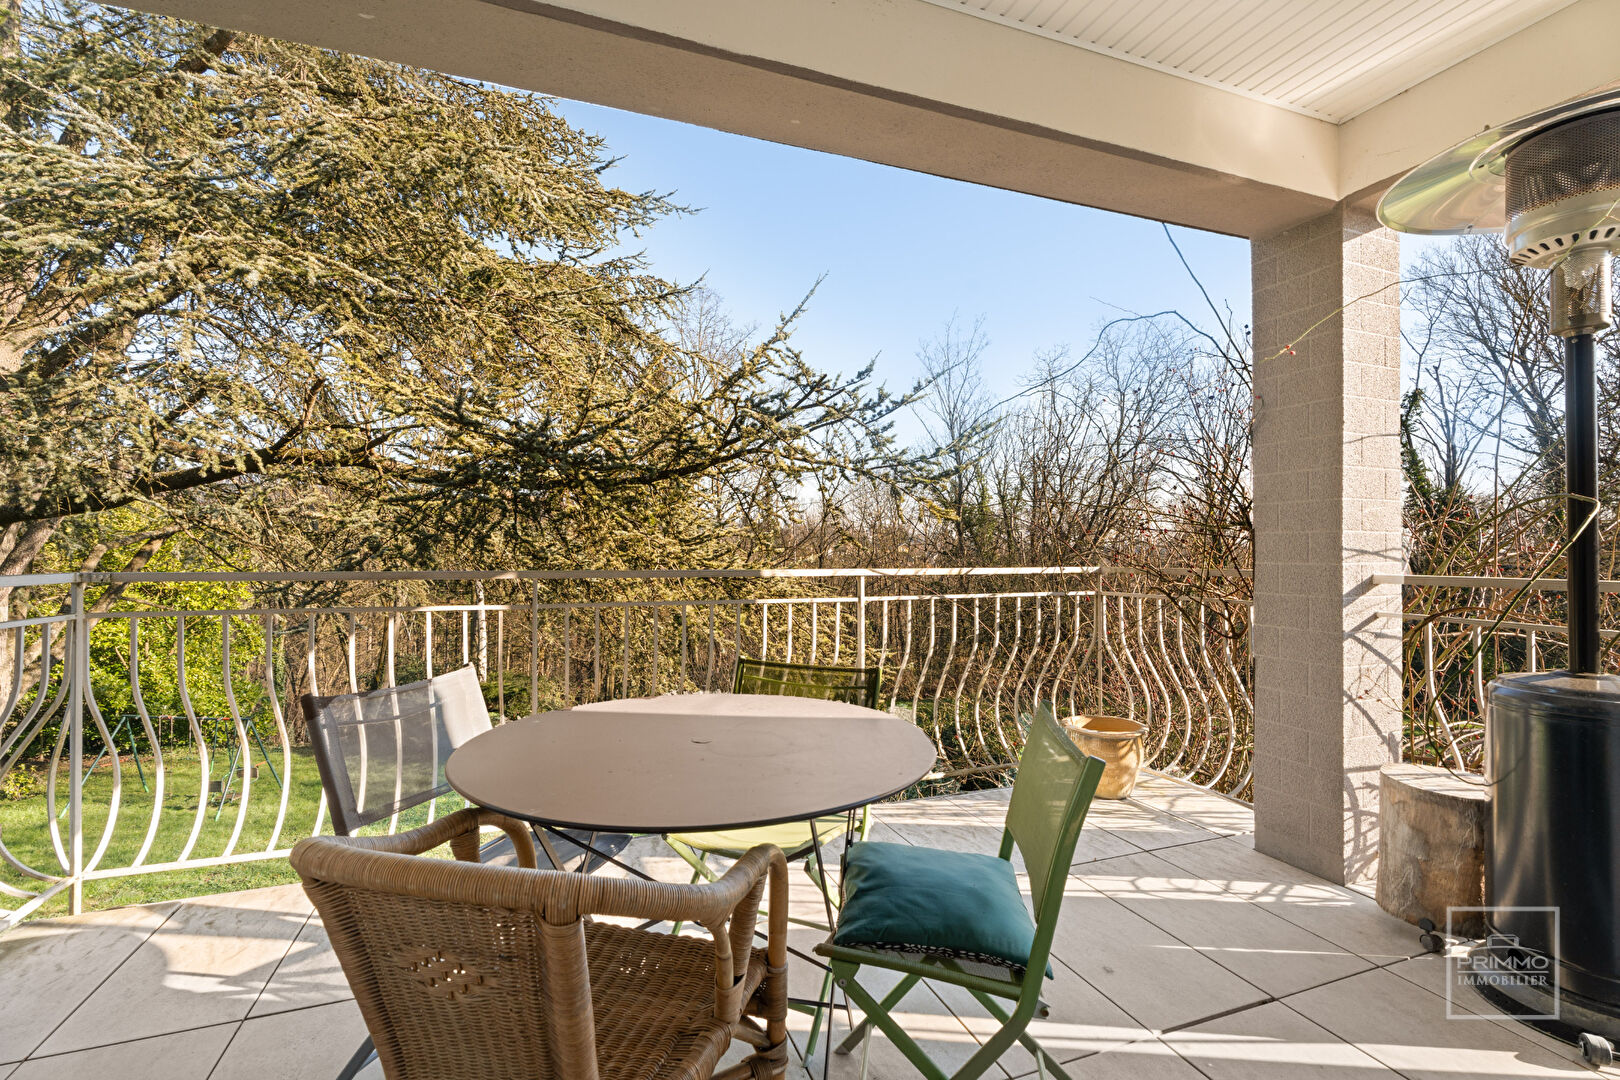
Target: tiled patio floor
(1182, 954)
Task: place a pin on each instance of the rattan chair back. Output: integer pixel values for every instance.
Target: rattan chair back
(858, 686)
(383, 752)
(465, 971)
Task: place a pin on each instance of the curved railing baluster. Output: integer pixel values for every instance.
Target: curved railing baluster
(39, 714)
(1115, 663)
(917, 686)
(115, 798)
(1232, 724)
(1174, 675)
(1193, 672)
(1068, 658)
(242, 735)
(1006, 669)
(1047, 653)
(204, 762)
(1220, 689)
(961, 681)
(939, 688)
(984, 676)
(1029, 658)
(310, 625)
(159, 769)
(905, 658)
(1146, 662)
(272, 695)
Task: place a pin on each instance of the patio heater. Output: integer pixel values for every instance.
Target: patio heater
(1551, 183)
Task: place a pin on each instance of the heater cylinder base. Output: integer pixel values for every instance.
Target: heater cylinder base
(1552, 849)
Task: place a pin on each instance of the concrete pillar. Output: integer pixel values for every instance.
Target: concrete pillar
(1327, 509)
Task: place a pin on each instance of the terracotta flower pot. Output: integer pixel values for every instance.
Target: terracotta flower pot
(1118, 742)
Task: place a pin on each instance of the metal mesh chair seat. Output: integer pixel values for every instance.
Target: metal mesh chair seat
(858, 686)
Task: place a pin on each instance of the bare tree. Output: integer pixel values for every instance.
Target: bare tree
(960, 421)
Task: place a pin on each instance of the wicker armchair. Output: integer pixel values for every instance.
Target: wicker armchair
(466, 971)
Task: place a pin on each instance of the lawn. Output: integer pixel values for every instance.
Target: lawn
(23, 829)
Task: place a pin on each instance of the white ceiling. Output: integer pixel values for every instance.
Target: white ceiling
(1330, 59)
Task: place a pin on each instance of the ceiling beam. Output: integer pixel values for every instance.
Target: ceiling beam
(1565, 55)
(906, 84)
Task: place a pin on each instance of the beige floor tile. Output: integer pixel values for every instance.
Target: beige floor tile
(308, 975)
(205, 965)
(1272, 1042)
(921, 1014)
(306, 1044)
(184, 1055)
(885, 833)
(1404, 1026)
(1099, 843)
(1082, 1021)
(987, 824)
(1159, 981)
(1144, 825)
(985, 797)
(1429, 972)
(1148, 1059)
(1343, 916)
(1204, 808)
(1272, 953)
(956, 831)
(53, 965)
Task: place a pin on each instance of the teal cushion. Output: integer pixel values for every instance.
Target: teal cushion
(941, 903)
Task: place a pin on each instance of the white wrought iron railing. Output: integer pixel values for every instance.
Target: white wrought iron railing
(1458, 634)
(181, 715)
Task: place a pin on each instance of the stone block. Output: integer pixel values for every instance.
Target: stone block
(1431, 845)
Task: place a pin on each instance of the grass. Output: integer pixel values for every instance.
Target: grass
(25, 832)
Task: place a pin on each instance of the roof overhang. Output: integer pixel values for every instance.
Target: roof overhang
(919, 85)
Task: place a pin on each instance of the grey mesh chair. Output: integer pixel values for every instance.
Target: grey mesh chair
(383, 752)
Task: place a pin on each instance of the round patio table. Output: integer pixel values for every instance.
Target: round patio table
(690, 763)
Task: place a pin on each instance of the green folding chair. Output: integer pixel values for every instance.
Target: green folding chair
(858, 686)
(958, 918)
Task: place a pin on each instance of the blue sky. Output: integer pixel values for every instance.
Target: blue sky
(900, 251)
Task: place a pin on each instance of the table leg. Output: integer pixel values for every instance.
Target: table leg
(584, 864)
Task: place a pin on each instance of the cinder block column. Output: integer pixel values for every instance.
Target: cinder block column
(1327, 509)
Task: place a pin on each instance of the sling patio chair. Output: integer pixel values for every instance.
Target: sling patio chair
(382, 753)
(957, 917)
(469, 971)
(857, 686)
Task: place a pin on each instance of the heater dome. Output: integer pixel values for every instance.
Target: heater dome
(1530, 177)
(1563, 189)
